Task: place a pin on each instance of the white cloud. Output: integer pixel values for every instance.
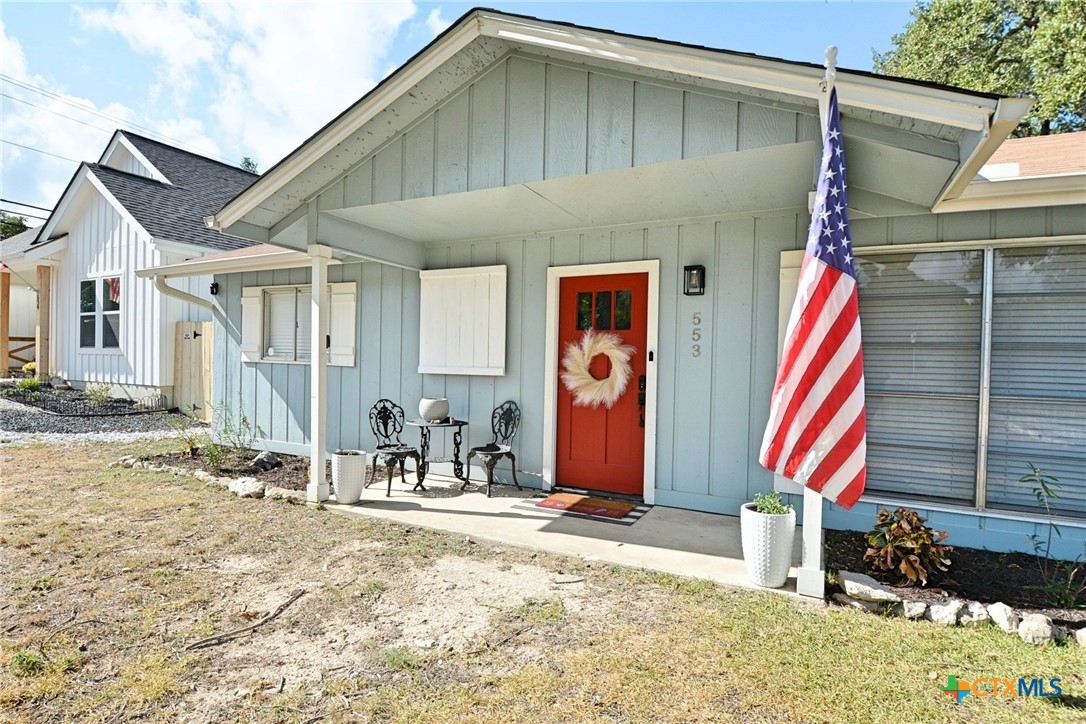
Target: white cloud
(269, 74)
(163, 29)
(43, 122)
(435, 23)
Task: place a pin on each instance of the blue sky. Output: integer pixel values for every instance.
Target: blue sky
(257, 78)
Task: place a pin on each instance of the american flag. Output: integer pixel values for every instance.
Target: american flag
(817, 431)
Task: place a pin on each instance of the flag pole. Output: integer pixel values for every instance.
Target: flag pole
(811, 576)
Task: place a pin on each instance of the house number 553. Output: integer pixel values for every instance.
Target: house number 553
(695, 335)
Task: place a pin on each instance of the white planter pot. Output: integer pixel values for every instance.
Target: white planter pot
(767, 545)
(433, 409)
(348, 475)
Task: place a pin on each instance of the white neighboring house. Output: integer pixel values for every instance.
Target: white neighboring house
(18, 302)
(142, 204)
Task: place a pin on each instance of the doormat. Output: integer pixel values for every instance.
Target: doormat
(583, 506)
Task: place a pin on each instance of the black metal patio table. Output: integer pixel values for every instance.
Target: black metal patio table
(424, 434)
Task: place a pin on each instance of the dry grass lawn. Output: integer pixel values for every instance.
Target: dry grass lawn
(107, 576)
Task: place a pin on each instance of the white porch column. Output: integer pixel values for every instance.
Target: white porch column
(811, 576)
(317, 489)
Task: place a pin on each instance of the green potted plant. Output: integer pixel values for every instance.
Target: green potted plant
(768, 527)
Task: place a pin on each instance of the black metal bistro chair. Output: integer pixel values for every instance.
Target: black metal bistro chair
(386, 421)
(504, 423)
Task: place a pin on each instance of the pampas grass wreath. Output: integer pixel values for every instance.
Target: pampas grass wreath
(587, 390)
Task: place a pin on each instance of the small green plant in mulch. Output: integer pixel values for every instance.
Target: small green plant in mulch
(1064, 581)
(28, 385)
(98, 394)
(901, 542)
(771, 503)
(30, 368)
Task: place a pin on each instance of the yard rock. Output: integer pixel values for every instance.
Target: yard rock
(866, 588)
(973, 614)
(267, 461)
(1004, 616)
(283, 493)
(945, 614)
(909, 609)
(203, 476)
(1036, 628)
(247, 488)
(1080, 636)
(859, 603)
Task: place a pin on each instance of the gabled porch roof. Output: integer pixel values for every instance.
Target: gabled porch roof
(940, 135)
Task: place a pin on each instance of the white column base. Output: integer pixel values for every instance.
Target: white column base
(316, 492)
(811, 576)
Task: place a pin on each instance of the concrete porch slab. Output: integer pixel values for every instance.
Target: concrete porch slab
(682, 542)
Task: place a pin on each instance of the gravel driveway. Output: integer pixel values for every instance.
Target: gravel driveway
(21, 424)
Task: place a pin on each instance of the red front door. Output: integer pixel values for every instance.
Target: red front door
(600, 448)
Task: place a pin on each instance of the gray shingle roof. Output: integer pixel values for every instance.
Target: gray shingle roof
(17, 244)
(175, 211)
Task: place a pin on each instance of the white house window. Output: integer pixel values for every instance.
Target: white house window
(975, 367)
(286, 324)
(276, 324)
(100, 309)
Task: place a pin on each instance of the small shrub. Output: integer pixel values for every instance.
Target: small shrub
(24, 664)
(30, 368)
(28, 385)
(98, 394)
(771, 504)
(215, 453)
(1064, 581)
(32, 397)
(191, 437)
(238, 431)
(901, 542)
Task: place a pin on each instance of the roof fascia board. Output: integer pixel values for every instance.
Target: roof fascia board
(884, 95)
(168, 246)
(47, 251)
(282, 259)
(1014, 193)
(1007, 116)
(66, 200)
(119, 139)
(328, 138)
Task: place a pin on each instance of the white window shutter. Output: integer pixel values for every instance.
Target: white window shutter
(341, 323)
(462, 324)
(791, 261)
(252, 323)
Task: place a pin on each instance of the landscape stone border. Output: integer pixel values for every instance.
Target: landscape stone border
(867, 594)
(245, 487)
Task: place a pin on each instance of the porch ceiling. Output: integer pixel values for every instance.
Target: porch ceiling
(708, 186)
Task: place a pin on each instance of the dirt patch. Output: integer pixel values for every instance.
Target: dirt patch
(974, 575)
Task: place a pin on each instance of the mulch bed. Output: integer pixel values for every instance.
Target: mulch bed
(974, 575)
(76, 402)
(292, 475)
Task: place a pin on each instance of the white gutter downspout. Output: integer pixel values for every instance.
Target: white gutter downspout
(160, 285)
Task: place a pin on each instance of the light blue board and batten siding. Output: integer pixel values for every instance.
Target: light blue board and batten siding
(704, 459)
(526, 119)
(275, 396)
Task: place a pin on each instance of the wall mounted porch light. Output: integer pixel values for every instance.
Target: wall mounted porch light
(214, 288)
(694, 280)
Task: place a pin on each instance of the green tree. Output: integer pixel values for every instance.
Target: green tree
(10, 225)
(1009, 47)
(248, 164)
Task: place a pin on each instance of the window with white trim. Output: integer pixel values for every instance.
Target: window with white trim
(100, 313)
(276, 324)
(974, 360)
